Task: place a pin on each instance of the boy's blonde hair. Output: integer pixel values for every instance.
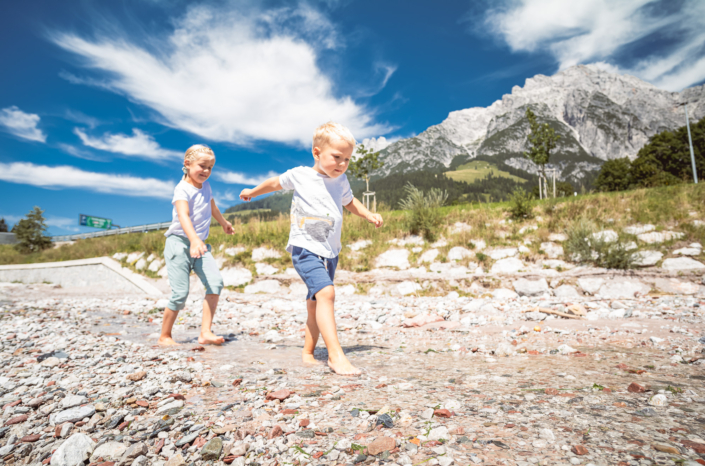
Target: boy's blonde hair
(323, 134)
(195, 152)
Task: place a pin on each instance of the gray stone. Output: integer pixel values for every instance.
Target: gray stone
(73, 415)
(236, 276)
(510, 265)
(7, 449)
(439, 433)
(260, 254)
(608, 236)
(263, 286)
(72, 401)
(647, 258)
(658, 400)
(498, 254)
(168, 406)
(459, 253)
(134, 452)
(74, 451)
(501, 293)
(109, 451)
(675, 286)
(398, 258)
(659, 236)
(638, 229)
(526, 287)
(682, 263)
(590, 285)
(552, 250)
(623, 288)
(211, 450)
(186, 439)
(566, 291)
(140, 461)
(176, 460)
(688, 251)
(429, 256)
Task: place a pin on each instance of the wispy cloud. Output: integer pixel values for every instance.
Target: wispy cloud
(21, 124)
(241, 178)
(64, 223)
(72, 177)
(234, 76)
(139, 144)
(619, 34)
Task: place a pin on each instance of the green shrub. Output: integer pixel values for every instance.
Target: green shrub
(424, 215)
(583, 248)
(521, 204)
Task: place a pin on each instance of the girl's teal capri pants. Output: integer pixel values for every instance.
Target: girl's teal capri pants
(179, 265)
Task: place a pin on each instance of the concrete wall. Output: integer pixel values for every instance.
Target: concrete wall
(7, 238)
(97, 274)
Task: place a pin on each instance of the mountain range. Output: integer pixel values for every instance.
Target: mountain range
(599, 115)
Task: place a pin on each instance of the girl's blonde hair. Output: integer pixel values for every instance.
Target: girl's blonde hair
(195, 152)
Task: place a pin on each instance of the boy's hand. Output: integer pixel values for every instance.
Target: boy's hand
(376, 219)
(198, 249)
(246, 194)
(228, 228)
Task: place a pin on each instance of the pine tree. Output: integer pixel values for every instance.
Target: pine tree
(3, 226)
(30, 232)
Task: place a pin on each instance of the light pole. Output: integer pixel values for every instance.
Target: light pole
(690, 141)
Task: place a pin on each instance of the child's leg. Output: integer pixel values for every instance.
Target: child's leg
(178, 267)
(312, 333)
(325, 320)
(207, 270)
(207, 337)
(167, 324)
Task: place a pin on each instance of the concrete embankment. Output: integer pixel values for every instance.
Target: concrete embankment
(97, 274)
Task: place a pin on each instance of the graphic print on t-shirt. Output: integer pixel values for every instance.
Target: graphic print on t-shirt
(316, 227)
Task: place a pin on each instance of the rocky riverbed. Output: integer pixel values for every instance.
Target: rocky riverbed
(499, 379)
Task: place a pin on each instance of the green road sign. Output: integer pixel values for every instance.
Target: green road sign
(95, 222)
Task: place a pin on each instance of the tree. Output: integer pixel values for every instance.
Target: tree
(542, 140)
(615, 175)
(364, 164)
(3, 226)
(30, 232)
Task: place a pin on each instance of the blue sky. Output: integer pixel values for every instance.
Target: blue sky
(99, 100)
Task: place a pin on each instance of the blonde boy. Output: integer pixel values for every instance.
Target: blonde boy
(320, 193)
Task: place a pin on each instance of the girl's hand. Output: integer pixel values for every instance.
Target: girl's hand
(198, 249)
(246, 194)
(228, 228)
(376, 219)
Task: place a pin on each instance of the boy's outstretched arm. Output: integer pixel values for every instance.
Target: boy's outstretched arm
(356, 208)
(268, 186)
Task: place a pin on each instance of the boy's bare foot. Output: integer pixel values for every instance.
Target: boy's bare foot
(344, 367)
(308, 358)
(210, 338)
(167, 341)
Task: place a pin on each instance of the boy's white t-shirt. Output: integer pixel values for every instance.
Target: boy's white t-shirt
(199, 207)
(316, 210)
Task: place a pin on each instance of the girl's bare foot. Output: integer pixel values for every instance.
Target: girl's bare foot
(308, 358)
(210, 338)
(167, 341)
(344, 367)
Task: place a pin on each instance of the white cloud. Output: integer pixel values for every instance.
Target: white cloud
(227, 176)
(377, 144)
(63, 223)
(137, 145)
(21, 124)
(234, 76)
(71, 177)
(600, 31)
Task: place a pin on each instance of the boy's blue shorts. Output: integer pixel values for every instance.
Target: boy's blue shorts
(317, 272)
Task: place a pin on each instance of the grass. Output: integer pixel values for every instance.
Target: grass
(667, 208)
(478, 170)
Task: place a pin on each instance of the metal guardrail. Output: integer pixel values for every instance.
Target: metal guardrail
(118, 231)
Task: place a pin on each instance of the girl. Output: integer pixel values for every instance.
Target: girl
(185, 249)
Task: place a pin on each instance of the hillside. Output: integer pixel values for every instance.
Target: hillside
(599, 115)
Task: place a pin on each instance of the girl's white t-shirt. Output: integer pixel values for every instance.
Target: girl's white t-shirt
(316, 210)
(199, 207)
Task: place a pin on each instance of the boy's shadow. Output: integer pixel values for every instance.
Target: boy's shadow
(321, 354)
